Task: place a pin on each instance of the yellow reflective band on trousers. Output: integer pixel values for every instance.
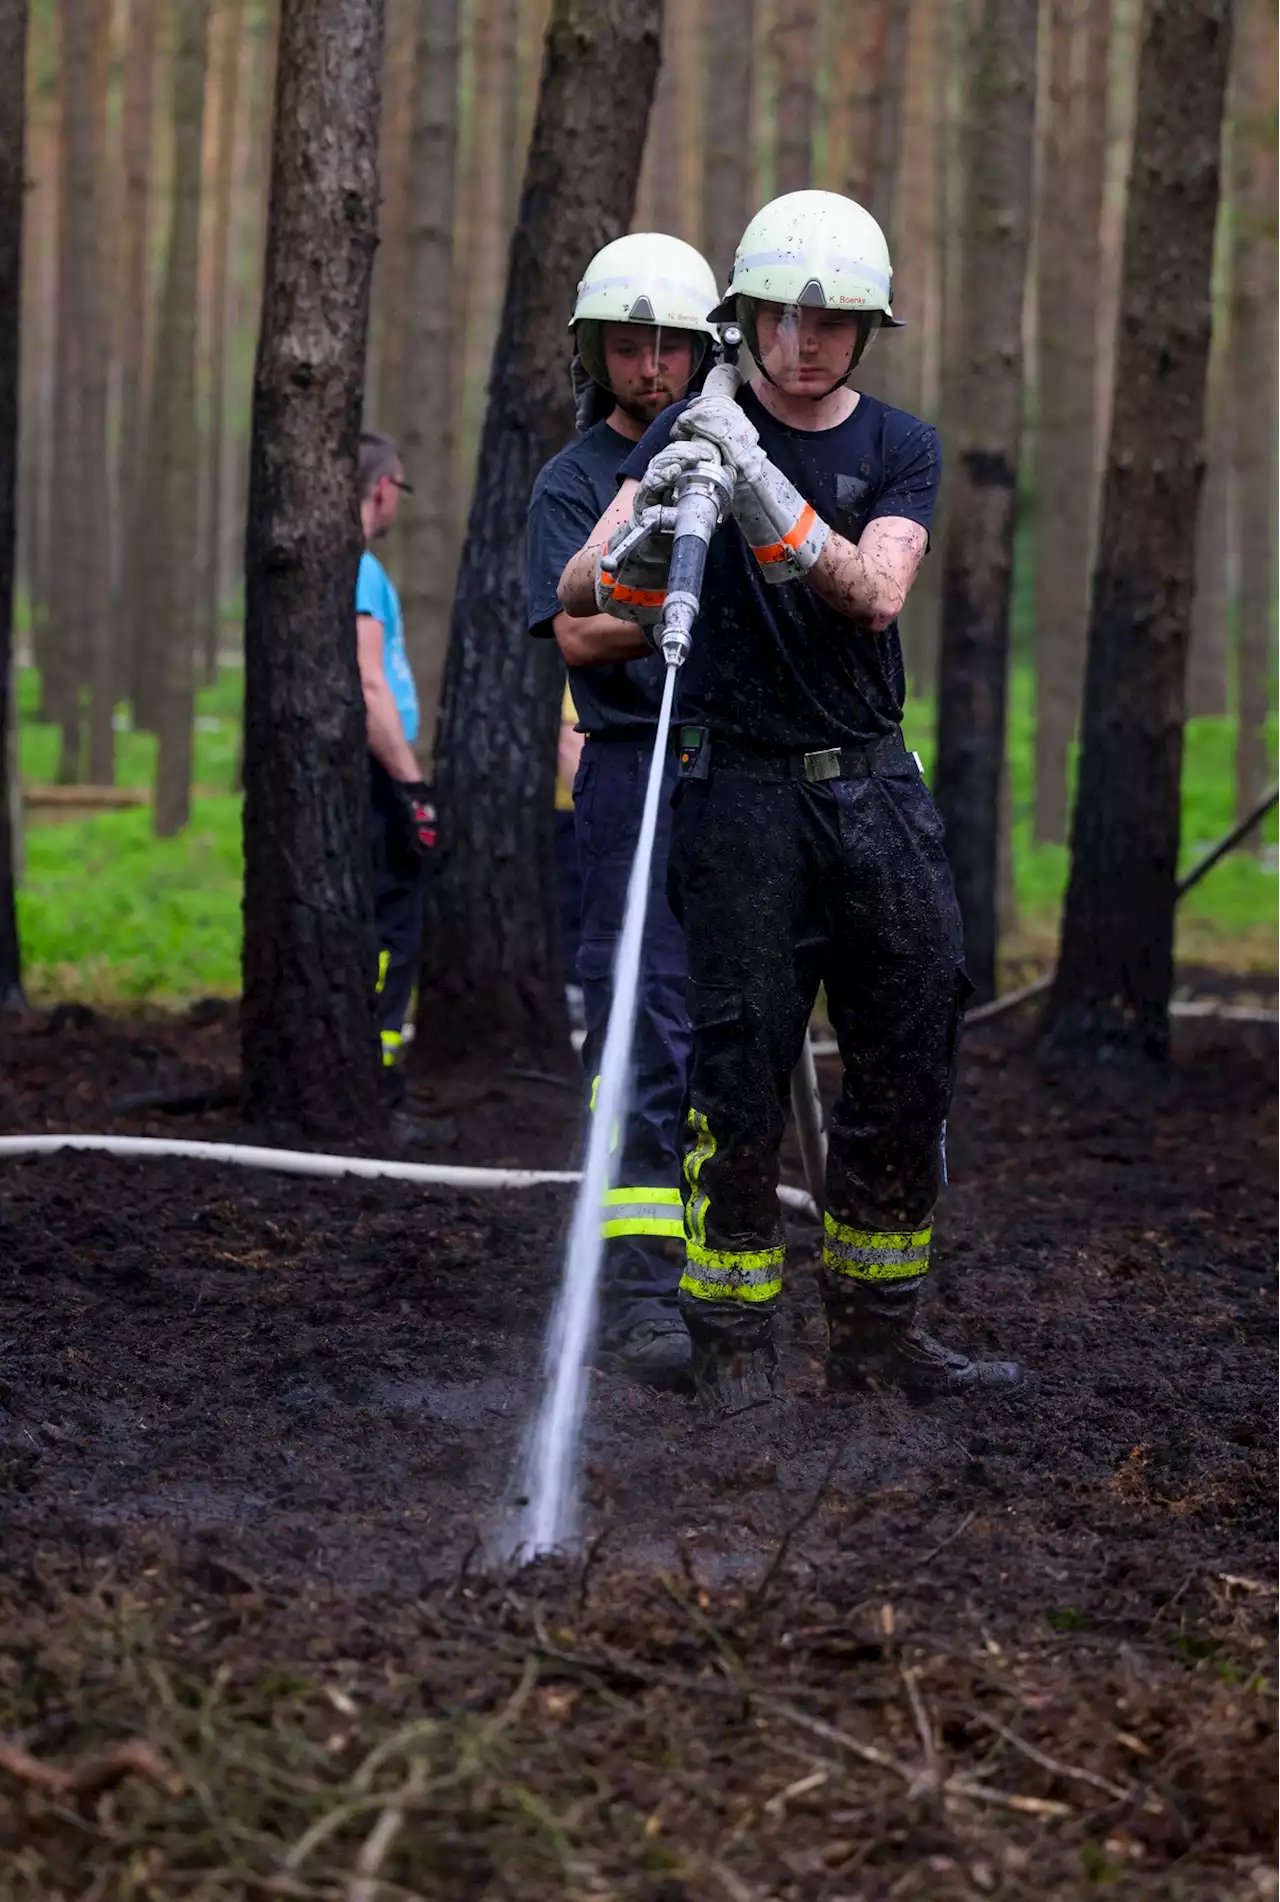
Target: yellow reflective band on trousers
(720, 1274)
(732, 1274)
(392, 1041)
(384, 965)
(642, 1212)
(696, 1159)
(875, 1254)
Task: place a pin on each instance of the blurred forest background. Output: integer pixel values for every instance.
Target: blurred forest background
(147, 154)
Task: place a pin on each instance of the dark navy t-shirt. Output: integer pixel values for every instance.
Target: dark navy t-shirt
(570, 495)
(776, 665)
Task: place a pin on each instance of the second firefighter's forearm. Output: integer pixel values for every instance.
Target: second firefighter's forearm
(577, 590)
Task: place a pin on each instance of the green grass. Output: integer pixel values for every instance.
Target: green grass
(217, 737)
(109, 914)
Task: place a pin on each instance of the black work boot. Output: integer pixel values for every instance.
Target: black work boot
(734, 1357)
(654, 1351)
(872, 1341)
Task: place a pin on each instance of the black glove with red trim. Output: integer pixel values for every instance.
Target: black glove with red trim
(417, 816)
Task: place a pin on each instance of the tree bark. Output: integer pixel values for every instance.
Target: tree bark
(728, 44)
(904, 367)
(492, 982)
(794, 49)
(1253, 377)
(1069, 248)
(486, 237)
(1111, 990)
(985, 433)
(657, 200)
(1215, 563)
(228, 88)
(309, 1043)
(13, 84)
(174, 443)
(428, 543)
(135, 318)
(81, 601)
(390, 313)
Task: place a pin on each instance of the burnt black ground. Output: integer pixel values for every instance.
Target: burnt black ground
(318, 1388)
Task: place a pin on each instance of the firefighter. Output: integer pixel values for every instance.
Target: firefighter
(402, 817)
(642, 337)
(807, 850)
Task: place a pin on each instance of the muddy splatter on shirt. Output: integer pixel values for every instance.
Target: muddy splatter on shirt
(777, 665)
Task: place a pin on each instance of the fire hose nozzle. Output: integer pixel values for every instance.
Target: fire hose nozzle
(677, 627)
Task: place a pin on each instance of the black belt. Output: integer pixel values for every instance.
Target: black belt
(698, 751)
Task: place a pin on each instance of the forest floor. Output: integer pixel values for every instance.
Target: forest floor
(255, 1434)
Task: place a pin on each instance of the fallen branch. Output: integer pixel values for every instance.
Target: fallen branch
(93, 1776)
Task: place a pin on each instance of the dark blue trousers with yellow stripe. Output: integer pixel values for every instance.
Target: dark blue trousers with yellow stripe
(642, 1219)
(783, 886)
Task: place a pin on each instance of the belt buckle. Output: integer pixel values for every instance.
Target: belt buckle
(823, 765)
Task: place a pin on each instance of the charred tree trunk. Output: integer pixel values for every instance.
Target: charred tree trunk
(232, 29)
(174, 439)
(491, 976)
(13, 81)
(1111, 990)
(728, 33)
(795, 37)
(428, 543)
(1070, 237)
(985, 433)
(1253, 391)
(309, 1042)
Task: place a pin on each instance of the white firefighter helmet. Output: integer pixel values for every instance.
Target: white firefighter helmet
(644, 278)
(812, 249)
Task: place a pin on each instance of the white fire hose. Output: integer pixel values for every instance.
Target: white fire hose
(302, 1162)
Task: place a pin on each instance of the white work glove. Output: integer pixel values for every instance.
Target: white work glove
(721, 421)
(785, 532)
(658, 483)
(632, 568)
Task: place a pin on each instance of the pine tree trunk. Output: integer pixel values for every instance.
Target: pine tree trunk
(1215, 563)
(174, 440)
(486, 242)
(13, 82)
(886, 137)
(81, 643)
(904, 367)
(1253, 373)
(491, 977)
(309, 1044)
(728, 30)
(135, 316)
(390, 314)
(984, 438)
(794, 49)
(1070, 235)
(657, 206)
(428, 543)
(39, 298)
(1111, 990)
(228, 77)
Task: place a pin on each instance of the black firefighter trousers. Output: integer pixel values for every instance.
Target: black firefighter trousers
(782, 885)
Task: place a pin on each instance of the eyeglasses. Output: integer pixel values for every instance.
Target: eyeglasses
(398, 482)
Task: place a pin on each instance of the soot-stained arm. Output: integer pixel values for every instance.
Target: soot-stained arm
(868, 580)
